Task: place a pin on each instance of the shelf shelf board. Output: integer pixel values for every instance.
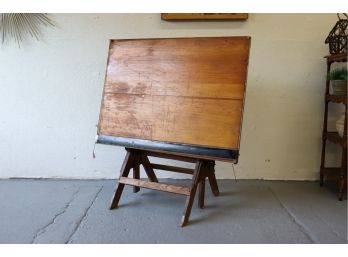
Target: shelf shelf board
(331, 173)
(336, 98)
(336, 58)
(335, 138)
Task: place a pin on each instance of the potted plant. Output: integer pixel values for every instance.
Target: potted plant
(338, 78)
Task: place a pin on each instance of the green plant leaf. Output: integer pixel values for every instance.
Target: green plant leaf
(338, 74)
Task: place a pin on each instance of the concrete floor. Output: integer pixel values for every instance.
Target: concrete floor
(76, 211)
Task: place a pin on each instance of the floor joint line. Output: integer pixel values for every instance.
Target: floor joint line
(302, 228)
(84, 215)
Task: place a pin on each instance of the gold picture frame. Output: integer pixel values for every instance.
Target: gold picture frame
(203, 16)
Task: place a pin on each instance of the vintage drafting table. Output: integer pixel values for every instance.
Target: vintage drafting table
(174, 98)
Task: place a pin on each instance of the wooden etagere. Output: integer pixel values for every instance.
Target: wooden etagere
(337, 174)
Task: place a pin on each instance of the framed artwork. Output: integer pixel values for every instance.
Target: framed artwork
(203, 16)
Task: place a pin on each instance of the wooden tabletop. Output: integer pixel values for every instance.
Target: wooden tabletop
(178, 90)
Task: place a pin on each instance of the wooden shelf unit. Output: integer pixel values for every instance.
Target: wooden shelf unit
(338, 174)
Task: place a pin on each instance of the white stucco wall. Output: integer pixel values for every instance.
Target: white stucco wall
(50, 94)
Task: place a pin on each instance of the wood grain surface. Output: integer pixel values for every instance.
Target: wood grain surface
(183, 90)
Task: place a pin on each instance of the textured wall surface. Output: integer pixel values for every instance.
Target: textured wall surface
(50, 94)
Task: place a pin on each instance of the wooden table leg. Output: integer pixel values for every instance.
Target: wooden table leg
(136, 170)
(212, 179)
(147, 167)
(201, 192)
(136, 175)
(213, 184)
(191, 197)
(126, 166)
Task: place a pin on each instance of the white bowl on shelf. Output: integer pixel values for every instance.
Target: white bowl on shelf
(340, 125)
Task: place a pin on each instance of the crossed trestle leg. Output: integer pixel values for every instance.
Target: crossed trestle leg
(134, 158)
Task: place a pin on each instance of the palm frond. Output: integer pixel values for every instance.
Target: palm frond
(18, 26)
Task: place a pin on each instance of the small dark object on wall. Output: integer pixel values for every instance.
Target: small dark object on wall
(337, 39)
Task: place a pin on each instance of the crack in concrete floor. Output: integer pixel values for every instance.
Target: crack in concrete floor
(84, 215)
(64, 209)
